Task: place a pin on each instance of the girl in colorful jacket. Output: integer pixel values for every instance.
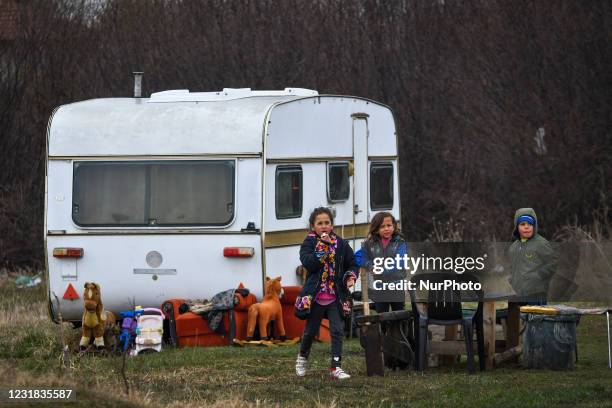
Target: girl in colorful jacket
(331, 267)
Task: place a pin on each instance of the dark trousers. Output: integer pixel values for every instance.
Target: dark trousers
(336, 326)
(382, 307)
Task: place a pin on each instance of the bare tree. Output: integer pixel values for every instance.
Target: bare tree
(499, 104)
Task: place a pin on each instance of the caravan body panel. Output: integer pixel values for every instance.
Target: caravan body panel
(312, 134)
(259, 134)
(192, 262)
(192, 267)
(135, 127)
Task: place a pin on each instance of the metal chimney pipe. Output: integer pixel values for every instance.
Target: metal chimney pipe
(137, 84)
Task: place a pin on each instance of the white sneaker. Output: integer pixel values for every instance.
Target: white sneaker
(301, 364)
(338, 374)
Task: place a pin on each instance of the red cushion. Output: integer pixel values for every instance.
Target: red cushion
(245, 302)
(192, 329)
(291, 293)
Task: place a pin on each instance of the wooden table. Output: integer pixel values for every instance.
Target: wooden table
(449, 348)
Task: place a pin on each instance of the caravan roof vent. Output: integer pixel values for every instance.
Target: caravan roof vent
(183, 95)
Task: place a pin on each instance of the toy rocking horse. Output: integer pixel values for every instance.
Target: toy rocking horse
(268, 310)
(96, 320)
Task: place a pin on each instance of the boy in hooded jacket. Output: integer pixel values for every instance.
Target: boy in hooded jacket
(533, 260)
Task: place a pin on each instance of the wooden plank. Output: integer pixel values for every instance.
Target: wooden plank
(513, 326)
(489, 333)
(510, 354)
(450, 333)
(373, 349)
(370, 333)
(364, 291)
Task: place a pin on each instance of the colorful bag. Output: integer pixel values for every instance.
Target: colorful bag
(302, 307)
(347, 308)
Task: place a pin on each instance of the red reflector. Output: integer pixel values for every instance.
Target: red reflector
(68, 252)
(238, 252)
(70, 293)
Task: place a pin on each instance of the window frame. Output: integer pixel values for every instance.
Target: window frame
(348, 166)
(382, 164)
(148, 195)
(288, 168)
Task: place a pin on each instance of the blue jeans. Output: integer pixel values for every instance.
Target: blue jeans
(336, 326)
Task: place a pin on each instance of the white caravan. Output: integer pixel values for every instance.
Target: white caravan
(186, 194)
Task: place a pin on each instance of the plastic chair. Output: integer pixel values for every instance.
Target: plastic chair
(444, 308)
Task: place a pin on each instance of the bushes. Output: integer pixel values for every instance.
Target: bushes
(499, 104)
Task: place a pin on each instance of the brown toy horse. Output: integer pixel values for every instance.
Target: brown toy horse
(268, 310)
(96, 320)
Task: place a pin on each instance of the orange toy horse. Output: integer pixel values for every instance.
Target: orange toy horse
(268, 310)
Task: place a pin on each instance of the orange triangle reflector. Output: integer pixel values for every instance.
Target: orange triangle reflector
(70, 293)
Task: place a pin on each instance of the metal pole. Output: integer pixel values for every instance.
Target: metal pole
(137, 83)
(609, 350)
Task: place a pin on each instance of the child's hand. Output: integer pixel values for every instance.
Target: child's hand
(325, 238)
(350, 282)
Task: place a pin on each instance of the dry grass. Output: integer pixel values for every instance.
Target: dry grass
(31, 353)
(31, 357)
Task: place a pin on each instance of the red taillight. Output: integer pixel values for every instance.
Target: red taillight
(68, 252)
(238, 252)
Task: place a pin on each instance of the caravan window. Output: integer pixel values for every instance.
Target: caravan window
(288, 192)
(381, 186)
(338, 186)
(171, 193)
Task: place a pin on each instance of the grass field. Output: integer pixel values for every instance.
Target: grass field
(31, 350)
